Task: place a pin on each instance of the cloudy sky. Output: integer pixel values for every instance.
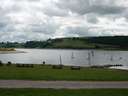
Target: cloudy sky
(22, 20)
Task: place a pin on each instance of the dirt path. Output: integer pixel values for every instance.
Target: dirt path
(62, 84)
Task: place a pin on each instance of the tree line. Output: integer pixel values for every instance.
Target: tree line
(120, 41)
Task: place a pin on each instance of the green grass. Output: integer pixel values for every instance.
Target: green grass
(73, 43)
(47, 73)
(63, 92)
(79, 43)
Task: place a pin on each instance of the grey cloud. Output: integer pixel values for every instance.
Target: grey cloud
(107, 9)
(48, 28)
(92, 18)
(91, 6)
(55, 11)
(5, 23)
(33, 0)
(79, 31)
(22, 20)
(126, 14)
(2, 25)
(93, 31)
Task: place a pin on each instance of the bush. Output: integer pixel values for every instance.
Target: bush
(57, 66)
(1, 64)
(9, 63)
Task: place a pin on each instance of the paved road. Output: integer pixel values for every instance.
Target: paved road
(62, 84)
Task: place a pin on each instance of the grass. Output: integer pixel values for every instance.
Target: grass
(79, 43)
(47, 73)
(73, 44)
(63, 92)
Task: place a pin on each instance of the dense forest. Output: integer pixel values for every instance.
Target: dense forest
(106, 42)
(120, 41)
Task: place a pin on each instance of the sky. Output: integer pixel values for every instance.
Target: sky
(25, 20)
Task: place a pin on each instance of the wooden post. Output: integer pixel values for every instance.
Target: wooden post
(72, 56)
(89, 58)
(60, 60)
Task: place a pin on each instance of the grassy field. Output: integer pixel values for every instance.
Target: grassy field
(72, 43)
(47, 73)
(79, 43)
(63, 92)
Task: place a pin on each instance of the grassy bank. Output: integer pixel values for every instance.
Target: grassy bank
(63, 92)
(47, 73)
(7, 49)
(69, 43)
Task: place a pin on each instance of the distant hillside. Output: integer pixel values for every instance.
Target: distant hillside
(78, 43)
(109, 42)
(120, 41)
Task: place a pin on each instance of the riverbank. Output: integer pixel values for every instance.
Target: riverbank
(63, 92)
(46, 72)
(7, 49)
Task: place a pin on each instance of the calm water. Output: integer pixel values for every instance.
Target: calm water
(69, 57)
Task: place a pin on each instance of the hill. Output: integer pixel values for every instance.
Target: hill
(106, 42)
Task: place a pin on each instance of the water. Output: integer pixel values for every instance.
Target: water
(69, 57)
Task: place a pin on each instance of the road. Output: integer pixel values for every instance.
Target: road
(62, 84)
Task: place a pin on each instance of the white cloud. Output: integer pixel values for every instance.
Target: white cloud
(23, 20)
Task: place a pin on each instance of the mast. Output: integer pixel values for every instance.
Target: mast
(60, 59)
(89, 58)
(72, 56)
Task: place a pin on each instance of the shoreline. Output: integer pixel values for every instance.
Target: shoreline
(102, 49)
(77, 49)
(11, 52)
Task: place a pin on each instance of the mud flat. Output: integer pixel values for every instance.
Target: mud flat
(11, 52)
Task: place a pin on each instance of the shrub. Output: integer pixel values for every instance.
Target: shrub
(1, 64)
(9, 63)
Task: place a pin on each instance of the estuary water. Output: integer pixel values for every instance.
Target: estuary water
(67, 57)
